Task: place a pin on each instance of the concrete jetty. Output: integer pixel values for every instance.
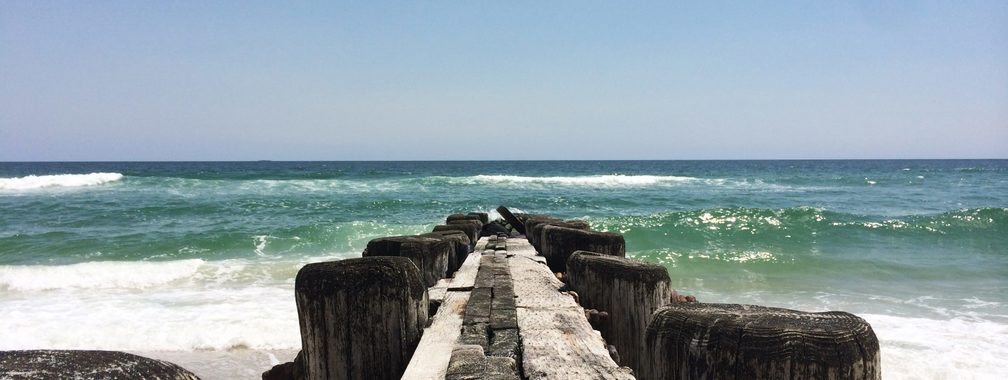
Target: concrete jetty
(575, 308)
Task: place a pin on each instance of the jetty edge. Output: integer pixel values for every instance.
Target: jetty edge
(537, 297)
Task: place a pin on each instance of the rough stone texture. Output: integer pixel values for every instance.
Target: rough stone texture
(557, 341)
(360, 318)
(478, 308)
(597, 319)
(534, 221)
(501, 368)
(476, 229)
(558, 243)
(470, 229)
(429, 254)
(515, 223)
(629, 290)
(82, 364)
(476, 334)
(472, 221)
(722, 341)
(483, 217)
(454, 217)
(462, 245)
(535, 233)
(505, 343)
(467, 362)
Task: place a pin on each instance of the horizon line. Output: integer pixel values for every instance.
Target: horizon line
(521, 160)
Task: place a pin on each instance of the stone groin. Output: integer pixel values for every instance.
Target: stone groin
(537, 297)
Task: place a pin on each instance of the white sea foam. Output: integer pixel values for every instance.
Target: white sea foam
(184, 318)
(494, 215)
(611, 180)
(142, 306)
(96, 274)
(958, 348)
(58, 180)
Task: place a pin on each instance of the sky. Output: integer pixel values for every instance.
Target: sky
(475, 80)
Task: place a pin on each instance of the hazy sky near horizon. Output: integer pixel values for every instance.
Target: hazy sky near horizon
(513, 80)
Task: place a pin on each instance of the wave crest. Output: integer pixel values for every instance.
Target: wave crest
(58, 180)
(745, 223)
(96, 274)
(611, 180)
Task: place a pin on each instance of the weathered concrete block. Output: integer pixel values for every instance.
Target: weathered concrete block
(722, 341)
(628, 290)
(460, 241)
(533, 221)
(475, 334)
(535, 233)
(483, 217)
(477, 225)
(503, 318)
(86, 364)
(558, 243)
(454, 217)
(501, 368)
(515, 223)
(478, 308)
(360, 318)
(429, 254)
(505, 343)
(467, 363)
(471, 230)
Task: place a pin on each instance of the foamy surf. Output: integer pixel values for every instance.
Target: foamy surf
(179, 305)
(183, 318)
(609, 180)
(96, 274)
(58, 180)
(959, 348)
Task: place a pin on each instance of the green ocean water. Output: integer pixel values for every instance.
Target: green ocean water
(202, 255)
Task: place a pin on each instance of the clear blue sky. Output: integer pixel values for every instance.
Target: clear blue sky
(159, 80)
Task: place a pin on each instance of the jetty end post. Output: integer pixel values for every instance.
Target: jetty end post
(360, 318)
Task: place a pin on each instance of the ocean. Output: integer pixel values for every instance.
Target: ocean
(200, 257)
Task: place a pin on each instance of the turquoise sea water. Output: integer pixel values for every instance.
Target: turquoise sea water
(194, 256)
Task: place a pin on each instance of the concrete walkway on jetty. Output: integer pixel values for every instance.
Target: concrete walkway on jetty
(503, 316)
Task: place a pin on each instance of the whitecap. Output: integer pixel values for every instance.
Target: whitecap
(58, 180)
(96, 274)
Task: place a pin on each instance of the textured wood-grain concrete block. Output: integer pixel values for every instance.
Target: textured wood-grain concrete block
(558, 243)
(534, 234)
(455, 217)
(483, 217)
(360, 318)
(460, 241)
(724, 341)
(472, 230)
(429, 254)
(628, 290)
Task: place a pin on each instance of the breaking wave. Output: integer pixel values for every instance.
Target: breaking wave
(96, 274)
(58, 180)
